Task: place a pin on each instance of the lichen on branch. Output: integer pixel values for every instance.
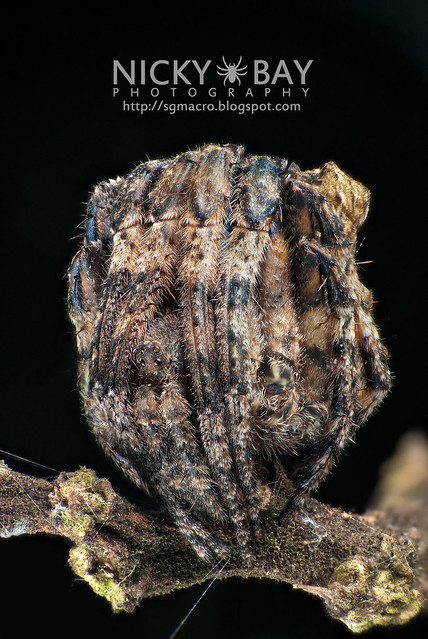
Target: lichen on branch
(367, 571)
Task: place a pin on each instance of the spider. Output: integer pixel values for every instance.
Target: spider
(222, 329)
(232, 72)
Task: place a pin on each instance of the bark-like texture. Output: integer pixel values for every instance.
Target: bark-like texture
(369, 570)
(221, 326)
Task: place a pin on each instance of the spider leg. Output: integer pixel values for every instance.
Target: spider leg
(376, 375)
(141, 448)
(324, 265)
(177, 472)
(125, 229)
(159, 360)
(189, 474)
(150, 437)
(351, 200)
(257, 200)
(203, 230)
(88, 270)
(278, 372)
(149, 251)
(118, 414)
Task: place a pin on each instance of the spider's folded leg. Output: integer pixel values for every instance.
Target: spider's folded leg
(329, 296)
(203, 219)
(255, 204)
(159, 360)
(191, 495)
(169, 454)
(329, 361)
(139, 442)
(278, 373)
(139, 277)
(376, 376)
(88, 271)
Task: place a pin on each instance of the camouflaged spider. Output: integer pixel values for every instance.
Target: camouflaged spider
(221, 327)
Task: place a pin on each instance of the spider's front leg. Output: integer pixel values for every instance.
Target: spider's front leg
(203, 220)
(255, 204)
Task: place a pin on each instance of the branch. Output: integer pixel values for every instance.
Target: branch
(369, 570)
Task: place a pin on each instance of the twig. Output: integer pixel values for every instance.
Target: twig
(369, 570)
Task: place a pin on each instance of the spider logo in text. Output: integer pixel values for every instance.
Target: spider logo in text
(232, 71)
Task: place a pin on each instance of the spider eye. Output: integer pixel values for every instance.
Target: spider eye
(156, 348)
(276, 377)
(157, 362)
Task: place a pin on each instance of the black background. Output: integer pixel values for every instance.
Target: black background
(63, 133)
